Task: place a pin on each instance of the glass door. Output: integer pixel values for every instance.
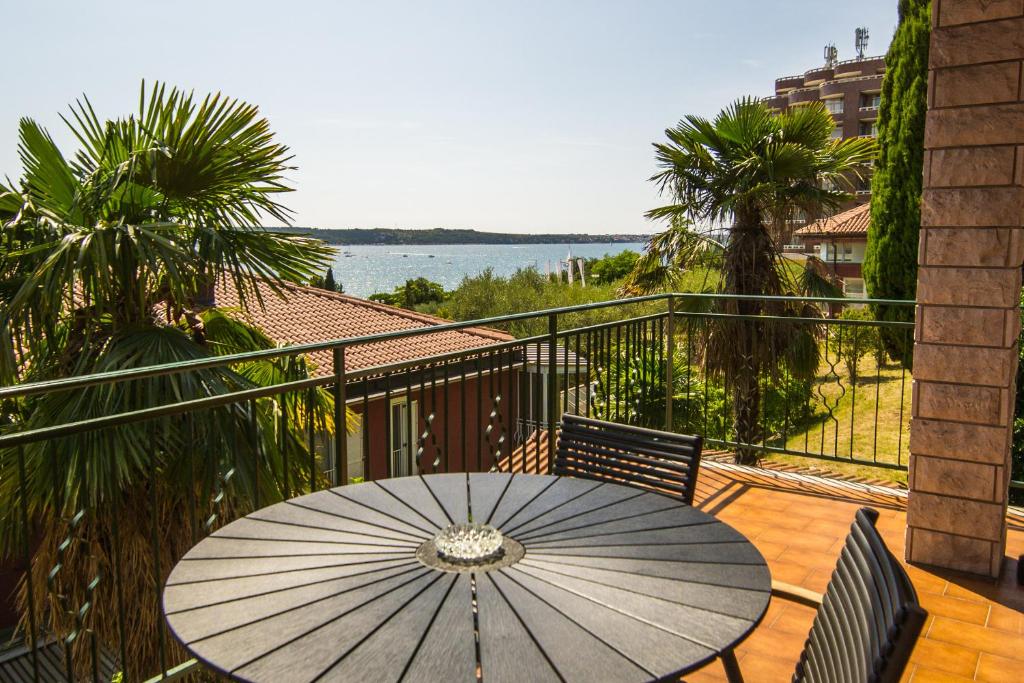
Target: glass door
(402, 437)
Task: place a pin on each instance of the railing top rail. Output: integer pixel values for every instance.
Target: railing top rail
(81, 381)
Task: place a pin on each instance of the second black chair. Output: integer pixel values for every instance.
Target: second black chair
(662, 462)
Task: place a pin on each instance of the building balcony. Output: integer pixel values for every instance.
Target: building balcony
(787, 83)
(803, 95)
(827, 446)
(851, 68)
(817, 76)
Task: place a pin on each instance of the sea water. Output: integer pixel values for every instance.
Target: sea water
(368, 269)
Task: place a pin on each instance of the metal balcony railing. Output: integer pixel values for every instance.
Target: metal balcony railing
(102, 504)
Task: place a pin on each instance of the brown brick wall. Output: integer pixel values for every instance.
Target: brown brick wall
(969, 283)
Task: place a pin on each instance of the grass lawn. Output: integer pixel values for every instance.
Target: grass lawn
(866, 421)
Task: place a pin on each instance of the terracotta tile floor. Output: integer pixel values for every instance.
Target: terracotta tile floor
(975, 628)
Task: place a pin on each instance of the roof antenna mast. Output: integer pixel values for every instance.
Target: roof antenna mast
(861, 41)
(831, 55)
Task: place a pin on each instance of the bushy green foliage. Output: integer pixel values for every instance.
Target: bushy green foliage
(415, 292)
(699, 403)
(488, 295)
(890, 262)
(327, 282)
(142, 219)
(855, 342)
(611, 268)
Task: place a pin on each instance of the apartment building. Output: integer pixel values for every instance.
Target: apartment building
(851, 91)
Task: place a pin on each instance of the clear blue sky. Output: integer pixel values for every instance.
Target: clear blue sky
(516, 116)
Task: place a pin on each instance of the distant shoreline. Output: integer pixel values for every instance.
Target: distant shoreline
(443, 236)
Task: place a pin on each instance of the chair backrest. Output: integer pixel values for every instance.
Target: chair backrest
(869, 619)
(662, 462)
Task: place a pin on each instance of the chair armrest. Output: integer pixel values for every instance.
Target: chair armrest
(803, 596)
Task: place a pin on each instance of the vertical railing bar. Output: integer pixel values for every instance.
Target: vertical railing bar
(464, 433)
(610, 398)
(824, 400)
(576, 373)
(537, 408)
(653, 359)
(592, 369)
(497, 374)
(411, 429)
(193, 503)
(122, 634)
(878, 388)
(94, 646)
(436, 462)
(628, 334)
(479, 411)
(388, 429)
(903, 388)
(855, 331)
(552, 387)
(447, 417)
(707, 382)
(340, 422)
(311, 436)
(688, 407)
(658, 353)
(729, 424)
(492, 411)
(786, 379)
(670, 353)
(158, 571)
(282, 435)
(367, 469)
(565, 373)
(27, 552)
(254, 434)
(618, 369)
(765, 371)
(835, 429)
(641, 356)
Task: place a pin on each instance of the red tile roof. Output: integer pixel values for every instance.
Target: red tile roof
(308, 314)
(851, 223)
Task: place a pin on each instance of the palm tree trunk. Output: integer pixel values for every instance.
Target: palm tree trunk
(750, 270)
(746, 391)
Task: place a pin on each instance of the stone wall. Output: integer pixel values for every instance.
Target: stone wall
(969, 283)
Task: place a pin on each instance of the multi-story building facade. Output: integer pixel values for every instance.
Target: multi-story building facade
(851, 90)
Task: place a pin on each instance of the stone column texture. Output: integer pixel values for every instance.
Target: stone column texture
(968, 286)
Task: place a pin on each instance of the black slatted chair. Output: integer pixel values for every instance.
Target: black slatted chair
(868, 619)
(662, 462)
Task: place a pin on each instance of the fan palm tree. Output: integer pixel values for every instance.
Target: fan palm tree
(107, 260)
(742, 176)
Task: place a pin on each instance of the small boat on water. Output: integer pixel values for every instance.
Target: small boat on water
(430, 256)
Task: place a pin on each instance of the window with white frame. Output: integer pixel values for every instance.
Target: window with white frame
(402, 437)
(834, 106)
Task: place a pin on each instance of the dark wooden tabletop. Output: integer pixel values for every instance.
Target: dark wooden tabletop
(615, 584)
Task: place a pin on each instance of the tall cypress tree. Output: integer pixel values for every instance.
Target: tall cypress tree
(329, 283)
(890, 262)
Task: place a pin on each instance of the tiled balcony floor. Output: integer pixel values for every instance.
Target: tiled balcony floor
(975, 628)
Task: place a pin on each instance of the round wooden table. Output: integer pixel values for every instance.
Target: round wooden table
(615, 584)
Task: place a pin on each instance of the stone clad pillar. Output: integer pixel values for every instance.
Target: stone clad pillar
(968, 287)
